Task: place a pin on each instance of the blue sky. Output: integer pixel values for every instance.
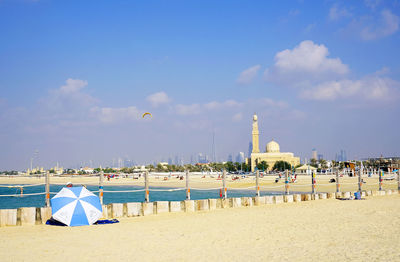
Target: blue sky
(75, 77)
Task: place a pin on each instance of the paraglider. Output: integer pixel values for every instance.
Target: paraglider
(147, 113)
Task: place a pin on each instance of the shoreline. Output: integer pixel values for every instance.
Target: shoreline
(267, 183)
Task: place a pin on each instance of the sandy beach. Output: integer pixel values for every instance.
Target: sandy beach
(324, 230)
(267, 183)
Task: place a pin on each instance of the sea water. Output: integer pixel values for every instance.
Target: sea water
(18, 200)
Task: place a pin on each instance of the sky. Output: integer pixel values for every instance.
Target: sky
(76, 77)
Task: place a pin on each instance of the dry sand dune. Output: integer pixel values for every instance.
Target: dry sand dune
(324, 230)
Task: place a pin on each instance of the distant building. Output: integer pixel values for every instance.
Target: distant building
(128, 163)
(58, 170)
(272, 153)
(240, 157)
(37, 170)
(341, 157)
(314, 154)
(250, 149)
(320, 156)
(202, 159)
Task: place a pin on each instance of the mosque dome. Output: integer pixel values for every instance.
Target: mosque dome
(273, 147)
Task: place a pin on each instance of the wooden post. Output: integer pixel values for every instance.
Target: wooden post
(360, 180)
(47, 189)
(257, 183)
(398, 178)
(287, 182)
(337, 182)
(187, 186)
(313, 182)
(380, 180)
(224, 183)
(146, 186)
(101, 178)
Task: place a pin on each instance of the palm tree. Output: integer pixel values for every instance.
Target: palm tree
(282, 165)
(323, 163)
(262, 166)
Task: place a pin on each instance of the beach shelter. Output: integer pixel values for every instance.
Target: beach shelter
(76, 206)
(305, 169)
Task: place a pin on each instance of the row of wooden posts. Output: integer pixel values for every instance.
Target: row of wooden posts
(224, 188)
(39, 215)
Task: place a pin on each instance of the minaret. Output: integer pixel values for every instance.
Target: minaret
(255, 134)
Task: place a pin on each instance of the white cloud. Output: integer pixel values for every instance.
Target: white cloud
(70, 96)
(309, 57)
(296, 114)
(158, 99)
(368, 88)
(388, 24)
(336, 12)
(247, 76)
(194, 109)
(272, 103)
(305, 63)
(188, 109)
(383, 71)
(237, 117)
(332, 90)
(321, 78)
(218, 105)
(70, 104)
(73, 86)
(110, 115)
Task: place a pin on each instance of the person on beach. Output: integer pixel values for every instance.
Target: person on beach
(69, 184)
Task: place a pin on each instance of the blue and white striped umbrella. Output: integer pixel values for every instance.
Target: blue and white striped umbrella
(76, 206)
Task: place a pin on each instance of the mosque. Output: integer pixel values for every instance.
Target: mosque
(272, 153)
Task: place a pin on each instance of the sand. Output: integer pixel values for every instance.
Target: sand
(324, 230)
(267, 183)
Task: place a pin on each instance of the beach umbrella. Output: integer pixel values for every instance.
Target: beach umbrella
(76, 206)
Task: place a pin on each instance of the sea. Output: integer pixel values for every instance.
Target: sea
(165, 194)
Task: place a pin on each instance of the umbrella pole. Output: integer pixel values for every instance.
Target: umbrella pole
(47, 189)
(187, 185)
(337, 182)
(224, 183)
(101, 177)
(146, 185)
(287, 182)
(398, 178)
(257, 183)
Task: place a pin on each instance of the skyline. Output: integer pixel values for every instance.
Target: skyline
(76, 78)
